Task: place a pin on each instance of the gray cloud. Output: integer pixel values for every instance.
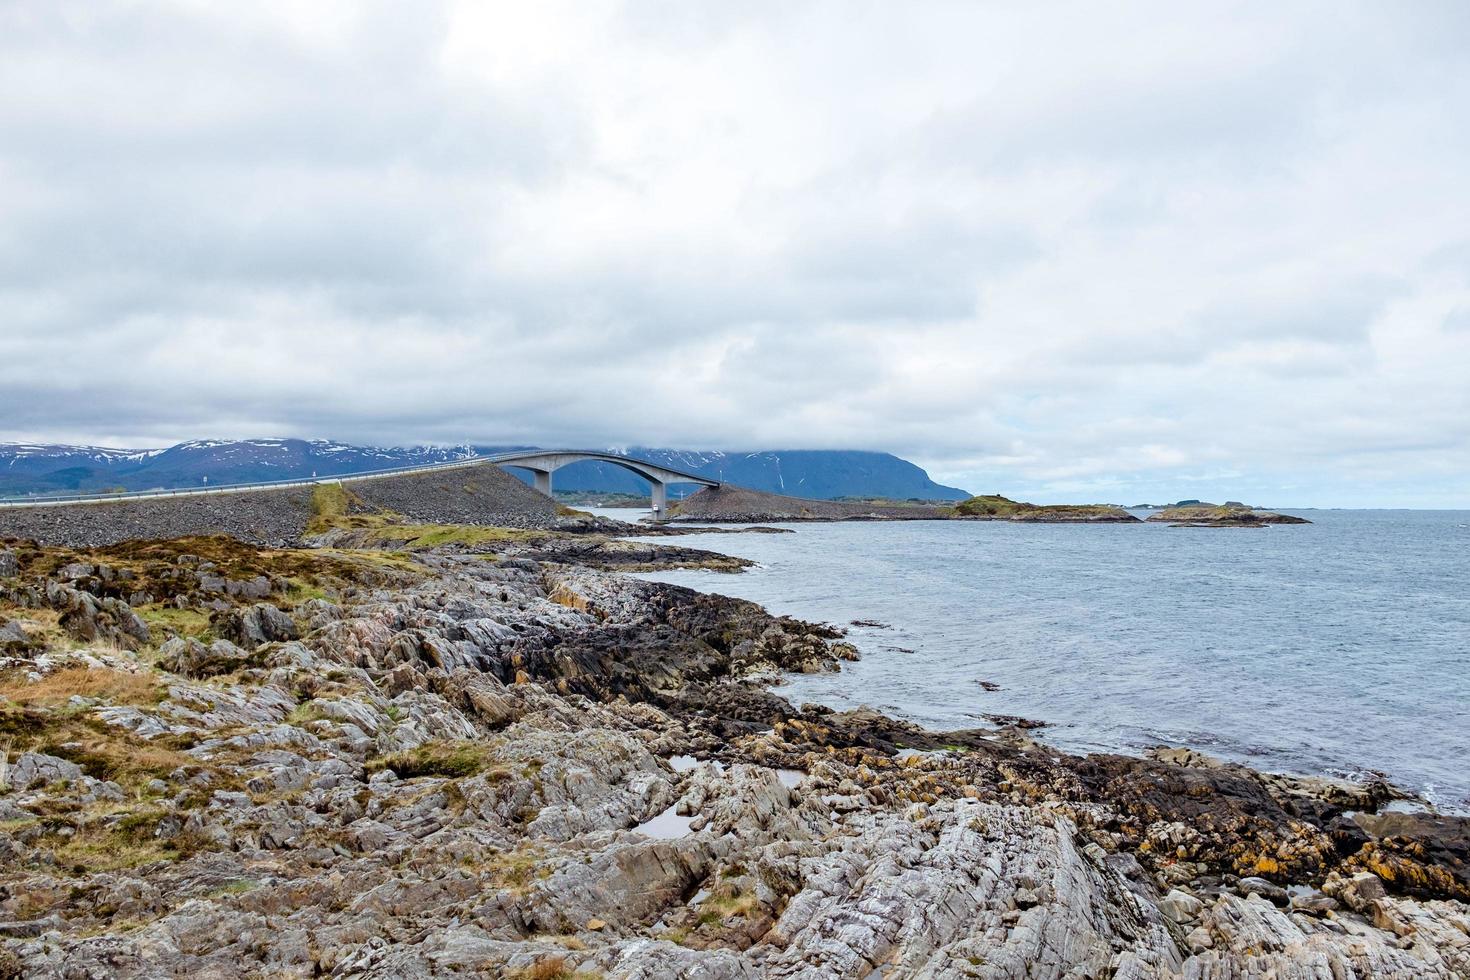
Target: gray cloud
(1060, 251)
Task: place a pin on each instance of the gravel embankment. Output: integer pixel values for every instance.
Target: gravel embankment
(480, 495)
(267, 517)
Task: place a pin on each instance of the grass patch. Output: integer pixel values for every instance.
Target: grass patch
(513, 871)
(237, 887)
(172, 619)
(994, 505)
(112, 686)
(115, 843)
(334, 507)
(724, 904)
(551, 968)
(415, 537)
(330, 502)
(125, 762)
(102, 751)
(451, 760)
(305, 714)
(301, 590)
(42, 626)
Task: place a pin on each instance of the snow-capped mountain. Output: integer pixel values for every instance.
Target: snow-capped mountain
(50, 469)
(823, 474)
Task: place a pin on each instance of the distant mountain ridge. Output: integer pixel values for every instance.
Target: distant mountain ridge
(820, 474)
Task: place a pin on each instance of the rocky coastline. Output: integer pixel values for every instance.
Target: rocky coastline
(453, 752)
(1225, 515)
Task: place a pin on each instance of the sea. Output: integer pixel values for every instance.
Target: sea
(1340, 647)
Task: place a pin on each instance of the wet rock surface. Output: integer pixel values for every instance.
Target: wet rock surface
(491, 764)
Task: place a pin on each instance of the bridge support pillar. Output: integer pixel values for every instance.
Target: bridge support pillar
(543, 481)
(660, 500)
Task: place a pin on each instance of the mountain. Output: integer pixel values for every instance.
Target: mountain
(823, 474)
(52, 469)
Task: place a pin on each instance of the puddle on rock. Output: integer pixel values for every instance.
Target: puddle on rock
(666, 826)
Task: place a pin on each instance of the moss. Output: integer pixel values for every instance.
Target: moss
(301, 590)
(445, 759)
(335, 508)
(415, 537)
(171, 619)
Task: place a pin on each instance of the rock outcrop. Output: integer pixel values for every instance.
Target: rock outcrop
(993, 507)
(530, 768)
(1227, 515)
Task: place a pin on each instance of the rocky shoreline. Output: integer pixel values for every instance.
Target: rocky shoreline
(465, 753)
(1224, 515)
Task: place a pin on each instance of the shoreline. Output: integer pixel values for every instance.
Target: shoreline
(501, 717)
(1061, 733)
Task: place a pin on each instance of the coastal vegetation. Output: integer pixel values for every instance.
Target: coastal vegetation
(996, 507)
(436, 763)
(336, 508)
(1231, 514)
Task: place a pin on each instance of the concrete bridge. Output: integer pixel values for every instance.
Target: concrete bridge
(541, 462)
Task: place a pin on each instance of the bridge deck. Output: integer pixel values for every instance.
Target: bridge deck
(498, 459)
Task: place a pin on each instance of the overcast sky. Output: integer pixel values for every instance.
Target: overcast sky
(1075, 251)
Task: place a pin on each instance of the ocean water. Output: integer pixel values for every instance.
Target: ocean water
(1339, 647)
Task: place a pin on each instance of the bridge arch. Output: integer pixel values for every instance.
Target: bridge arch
(543, 463)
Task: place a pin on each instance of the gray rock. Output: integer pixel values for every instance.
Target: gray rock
(13, 637)
(9, 563)
(1358, 892)
(1312, 901)
(191, 658)
(1181, 907)
(1262, 887)
(256, 625)
(34, 769)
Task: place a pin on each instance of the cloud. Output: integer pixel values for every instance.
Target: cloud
(1060, 250)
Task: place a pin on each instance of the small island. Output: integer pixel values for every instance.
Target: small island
(993, 507)
(1232, 514)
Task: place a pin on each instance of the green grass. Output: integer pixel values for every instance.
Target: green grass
(330, 502)
(165, 619)
(415, 537)
(333, 507)
(445, 759)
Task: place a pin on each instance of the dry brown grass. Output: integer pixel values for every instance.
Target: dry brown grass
(551, 968)
(127, 762)
(112, 686)
(110, 842)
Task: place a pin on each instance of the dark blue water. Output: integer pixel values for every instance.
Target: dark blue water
(1338, 647)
